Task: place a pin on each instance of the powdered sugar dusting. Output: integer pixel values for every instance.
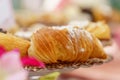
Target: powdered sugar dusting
(88, 35)
(71, 30)
(82, 50)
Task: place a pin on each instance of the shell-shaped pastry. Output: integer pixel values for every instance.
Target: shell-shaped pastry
(10, 42)
(100, 30)
(66, 44)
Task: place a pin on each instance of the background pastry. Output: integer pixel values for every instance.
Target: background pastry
(10, 42)
(53, 19)
(26, 18)
(66, 44)
(99, 29)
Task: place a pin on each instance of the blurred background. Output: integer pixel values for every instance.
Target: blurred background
(96, 10)
(65, 11)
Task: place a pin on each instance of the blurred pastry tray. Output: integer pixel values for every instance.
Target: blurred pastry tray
(64, 67)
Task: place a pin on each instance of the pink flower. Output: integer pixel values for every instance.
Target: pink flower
(2, 50)
(29, 61)
(11, 67)
(26, 61)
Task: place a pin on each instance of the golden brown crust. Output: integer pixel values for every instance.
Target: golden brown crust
(11, 42)
(51, 45)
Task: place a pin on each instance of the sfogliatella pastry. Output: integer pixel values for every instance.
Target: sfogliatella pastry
(10, 42)
(65, 44)
(101, 30)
